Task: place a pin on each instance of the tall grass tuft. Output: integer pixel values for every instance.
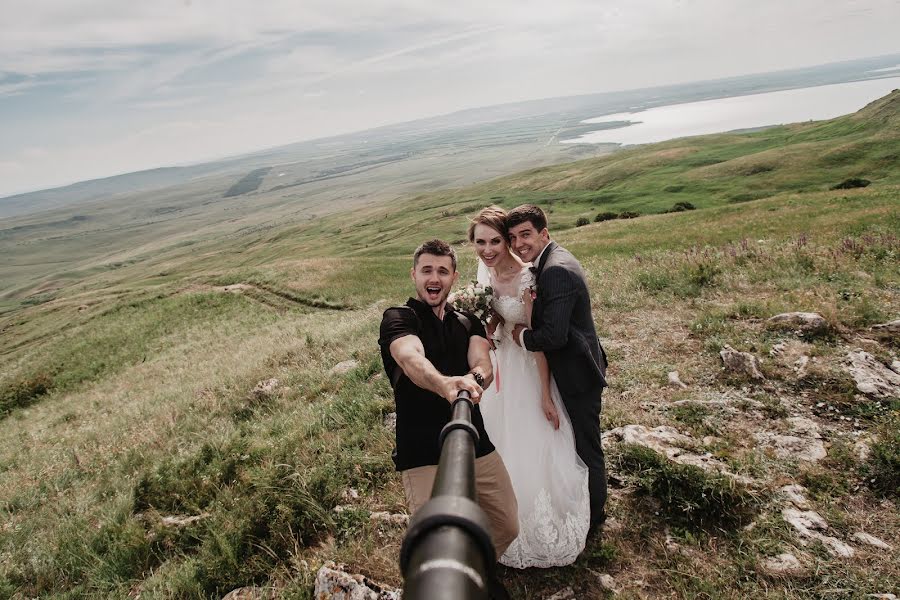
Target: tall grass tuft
(689, 494)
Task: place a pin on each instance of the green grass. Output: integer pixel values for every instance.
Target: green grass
(689, 494)
(126, 391)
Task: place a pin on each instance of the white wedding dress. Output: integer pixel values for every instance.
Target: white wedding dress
(549, 479)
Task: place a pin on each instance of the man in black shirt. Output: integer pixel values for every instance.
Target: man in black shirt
(430, 353)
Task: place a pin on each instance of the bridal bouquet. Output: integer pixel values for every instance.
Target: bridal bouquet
(475, 299)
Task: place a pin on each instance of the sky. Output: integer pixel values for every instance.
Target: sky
(91, 88)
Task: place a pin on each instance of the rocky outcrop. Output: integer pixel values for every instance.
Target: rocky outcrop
(809, 524)
(871, 540)
(803, 323)
(803, 442)
(872, 378)
(796, 495)
(669, 442)
(333, 582)
(741, 363)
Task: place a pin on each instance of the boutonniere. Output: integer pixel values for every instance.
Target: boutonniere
(533, 293)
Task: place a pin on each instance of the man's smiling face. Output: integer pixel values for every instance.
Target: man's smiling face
(434, 276)
(528, 242)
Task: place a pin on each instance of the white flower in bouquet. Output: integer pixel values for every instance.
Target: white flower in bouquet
(475, 299)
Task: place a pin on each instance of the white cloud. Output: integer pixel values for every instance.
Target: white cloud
(198, 78)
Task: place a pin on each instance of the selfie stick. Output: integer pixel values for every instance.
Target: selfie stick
(447, 553)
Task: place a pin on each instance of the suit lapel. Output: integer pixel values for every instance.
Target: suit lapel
(538, 309)
(550, 248)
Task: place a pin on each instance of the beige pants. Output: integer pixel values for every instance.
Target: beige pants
(495, 496)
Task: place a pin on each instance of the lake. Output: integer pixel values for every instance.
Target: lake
(737, 112)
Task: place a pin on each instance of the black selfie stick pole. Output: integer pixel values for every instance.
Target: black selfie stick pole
(447, 553)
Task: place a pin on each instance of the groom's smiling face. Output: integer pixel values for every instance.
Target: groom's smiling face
(528, 242)
(434, 276)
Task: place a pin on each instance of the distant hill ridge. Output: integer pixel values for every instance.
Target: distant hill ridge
(801, 156)
(884, 110)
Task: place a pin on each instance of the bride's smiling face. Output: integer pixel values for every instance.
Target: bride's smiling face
(490, 245)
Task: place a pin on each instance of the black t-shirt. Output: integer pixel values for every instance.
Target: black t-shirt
(422, 414)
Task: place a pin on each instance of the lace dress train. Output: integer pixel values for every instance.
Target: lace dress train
(550, 480)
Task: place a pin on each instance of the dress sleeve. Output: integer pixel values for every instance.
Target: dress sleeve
(527, 280)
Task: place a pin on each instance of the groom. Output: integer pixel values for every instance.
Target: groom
(563, 329)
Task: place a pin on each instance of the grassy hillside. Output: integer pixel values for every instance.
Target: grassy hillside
(129, 394)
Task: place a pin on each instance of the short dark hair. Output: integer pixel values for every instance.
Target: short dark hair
(526, 213)
(435, 248)
(492, 216)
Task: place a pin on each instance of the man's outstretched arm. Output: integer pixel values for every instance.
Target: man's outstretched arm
(410, 355)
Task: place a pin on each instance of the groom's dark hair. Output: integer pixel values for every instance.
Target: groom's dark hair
(527, 213)
(435, 248)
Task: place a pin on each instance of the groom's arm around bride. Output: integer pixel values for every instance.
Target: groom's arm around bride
(563, 329)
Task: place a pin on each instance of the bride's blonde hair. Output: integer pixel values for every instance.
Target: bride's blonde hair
(492, 216)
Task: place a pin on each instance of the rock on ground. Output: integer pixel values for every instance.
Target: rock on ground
(796, 495)
(247, 593)
(333, 582)
(606, 581)
(390, 421)
(566, 593)
(801, 322)
(863, 450)
(873, 378)
(783, 565)
(265, 388)
(889, 328)
(871, 540)
(181, 521)
(742, 363)
(675, 380)
(669, 442)
(810, 525)
(804, 442)
(344, 367)
(389, 518)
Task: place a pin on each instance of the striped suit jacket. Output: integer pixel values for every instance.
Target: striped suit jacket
(562, 325)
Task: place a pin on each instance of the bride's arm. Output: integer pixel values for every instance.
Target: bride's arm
(543, 370)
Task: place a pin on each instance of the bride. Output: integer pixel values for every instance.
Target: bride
(525, 417)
